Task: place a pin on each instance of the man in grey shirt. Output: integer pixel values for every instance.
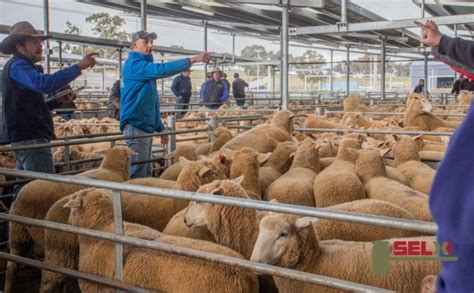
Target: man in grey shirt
(238, 89)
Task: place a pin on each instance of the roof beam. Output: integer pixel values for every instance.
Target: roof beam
(301, 3)
(380, 25)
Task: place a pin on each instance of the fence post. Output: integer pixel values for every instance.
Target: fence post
(67, 158)
(117, 202)
(172, 137)
(213, 124)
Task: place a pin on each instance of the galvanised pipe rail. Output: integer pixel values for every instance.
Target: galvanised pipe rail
(72, 273)
(393, 113)
(424, 227)
(374, 131)
(94, 140)
(211, 257)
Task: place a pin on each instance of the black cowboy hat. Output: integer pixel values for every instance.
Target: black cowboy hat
(18, 32)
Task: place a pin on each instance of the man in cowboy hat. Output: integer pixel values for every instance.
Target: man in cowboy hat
(26, 117)
(214, 92)
(140, 107)
(181, 88)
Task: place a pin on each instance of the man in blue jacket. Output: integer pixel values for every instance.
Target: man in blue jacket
(181, 88)
(140, 104)
(26, 117)
(214, 92)
(452, 193)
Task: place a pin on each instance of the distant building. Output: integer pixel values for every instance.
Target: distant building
(440, 75)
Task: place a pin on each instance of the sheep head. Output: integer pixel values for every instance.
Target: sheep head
(418, 104)
(369, 164)
(284, 120)
(90, 208)
(285, 240)
(197, 213)
(117, 159)
(348, 142)
(405, 149)
(197, 173)
(307, 155)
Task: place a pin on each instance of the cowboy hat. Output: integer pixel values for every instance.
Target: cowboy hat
(216, 69)
(18, 32)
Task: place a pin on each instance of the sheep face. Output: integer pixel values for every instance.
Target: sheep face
(195, 215)
(90, 208)
(419, 103)
(279, 239)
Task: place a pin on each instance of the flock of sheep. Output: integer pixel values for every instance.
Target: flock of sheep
(376, 174)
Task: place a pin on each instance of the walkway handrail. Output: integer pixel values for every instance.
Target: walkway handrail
(376, 131)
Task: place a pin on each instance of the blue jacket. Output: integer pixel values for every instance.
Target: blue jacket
(25, 114)
(452, 193)
(211, 93)
(139, 101)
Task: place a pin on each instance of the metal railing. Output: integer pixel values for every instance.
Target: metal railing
(117, 188)
(329, 112)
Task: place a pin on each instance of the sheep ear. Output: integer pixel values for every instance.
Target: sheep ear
(104, 152)
(239, 180)
(380, 144)
(292, 155)
(364, 145)
(396, 137)
(218, 191)
(304, 222)
(204, 170)
(418, 137)
(261, 214)
(74, 203)
(262, 158)
(353, 151)
(360, 138)
(184, 161)
(385, 152)
(318, 146)
(228, 153)
(169, 156)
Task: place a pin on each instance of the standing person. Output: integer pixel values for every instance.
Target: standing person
(420, 87)
(140, 107)
(214, 92)
(113, 106)
(238, 89)
(452, 195)
(227, 83)
(25, 90)
(457, 85)
(181, 88)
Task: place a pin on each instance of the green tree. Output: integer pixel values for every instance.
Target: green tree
(258, 52)
(315, 66)
(107, 27)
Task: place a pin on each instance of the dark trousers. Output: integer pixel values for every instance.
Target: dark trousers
(182, 103)
(240, 101)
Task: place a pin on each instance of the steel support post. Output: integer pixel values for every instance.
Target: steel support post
(425, 89)
(143, 14)
(348, 74)
(46, 32)
(205, 48)
(331, 73)
(171, 137)
(284, 70)
(60, 54)
(382, 79)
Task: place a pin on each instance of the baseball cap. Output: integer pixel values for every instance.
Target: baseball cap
(143, 35)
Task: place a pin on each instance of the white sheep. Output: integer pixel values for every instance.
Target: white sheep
(292, 242)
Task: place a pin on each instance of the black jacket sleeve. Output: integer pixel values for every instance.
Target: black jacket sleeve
(459, 49)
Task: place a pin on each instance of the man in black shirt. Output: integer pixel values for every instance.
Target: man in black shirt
(420, 87)
(238, 89)
(181, 88)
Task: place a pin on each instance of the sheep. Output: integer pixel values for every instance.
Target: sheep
(408, 162)
(396, 175)
(428, 284)
(370, 168)
(328, 148)
(36, 197)
(264, 138)
(292, 242)
(296, 185)
(278, 164)
(153, 211)
(222, 135)
(314, 121)
(338, 183)
(147, 268)
(418, 114)
(328, 229)
(246, 162)
(7, 161)
(354, 103)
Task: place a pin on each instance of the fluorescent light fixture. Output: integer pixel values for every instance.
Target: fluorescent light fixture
(198, 10)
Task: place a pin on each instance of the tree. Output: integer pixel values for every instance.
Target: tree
(107, 27)
(304, 70)
(258, 52)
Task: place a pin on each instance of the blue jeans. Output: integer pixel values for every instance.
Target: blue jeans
(182, 103)
(39, 160)
(68, 116)
(142, 146)
(240, 101)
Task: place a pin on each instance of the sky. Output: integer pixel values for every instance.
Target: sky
(172, 33)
